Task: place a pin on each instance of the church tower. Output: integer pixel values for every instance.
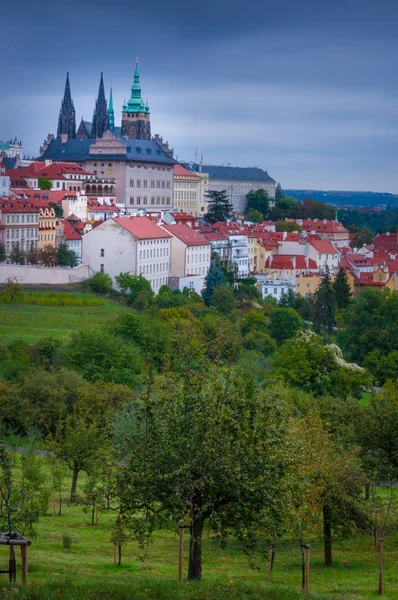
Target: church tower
(100, 116)
(67, 118)
(136, 117)
(111, 113)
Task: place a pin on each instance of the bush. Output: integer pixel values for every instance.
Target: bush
(66, 541)
(100, 283)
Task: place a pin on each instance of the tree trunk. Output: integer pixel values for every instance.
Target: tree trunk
(60, 502)
(92, 515)
(327, 536)
(120, 554)
(367, 491)
(74, 481)
(302, 564)
(195, 549)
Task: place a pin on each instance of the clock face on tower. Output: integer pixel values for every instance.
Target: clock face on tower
(132, 130)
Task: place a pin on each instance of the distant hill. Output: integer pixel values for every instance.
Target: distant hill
(354, 199)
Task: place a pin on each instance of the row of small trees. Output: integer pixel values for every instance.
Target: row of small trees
(47, 256)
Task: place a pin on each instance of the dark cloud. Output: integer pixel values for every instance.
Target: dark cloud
(307, 90)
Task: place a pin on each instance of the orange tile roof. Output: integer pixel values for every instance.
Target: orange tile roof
(69, 232)
(323, 247)
(141, 227)
(186, 234)
(181, 171)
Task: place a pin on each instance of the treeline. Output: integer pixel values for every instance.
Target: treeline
(231, 413)
(377, 221)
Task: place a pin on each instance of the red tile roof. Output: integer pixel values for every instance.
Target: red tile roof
(69, 232)
(186, 234)
(181, 171)
(94, 206)
(323, 247)
(286, 261)
(322, 226)
(141, 227)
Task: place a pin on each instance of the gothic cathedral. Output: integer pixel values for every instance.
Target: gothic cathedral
(135, 124)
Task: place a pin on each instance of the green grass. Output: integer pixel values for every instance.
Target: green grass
(30, 323)
(365, 398)
(227, 573)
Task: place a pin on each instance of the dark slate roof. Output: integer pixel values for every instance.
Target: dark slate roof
(9, 162)
(75, 150)
(117, 130)
(238, 173)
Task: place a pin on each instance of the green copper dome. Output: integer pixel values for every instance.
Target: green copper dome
(136, 103)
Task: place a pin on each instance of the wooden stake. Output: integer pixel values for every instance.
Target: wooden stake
(114, 554)
(11, 565)
(54, 502)
(307, 569)
(24, 552)
(96, 516)
(381, 580)
(270, 550)
(181, 526)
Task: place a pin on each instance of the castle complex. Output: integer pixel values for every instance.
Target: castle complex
(135, 124)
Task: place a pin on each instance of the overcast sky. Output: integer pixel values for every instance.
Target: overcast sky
(306, 90)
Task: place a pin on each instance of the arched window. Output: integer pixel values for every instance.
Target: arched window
(88, 189)
(94, 189)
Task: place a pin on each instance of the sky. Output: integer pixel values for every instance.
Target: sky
(306, 90)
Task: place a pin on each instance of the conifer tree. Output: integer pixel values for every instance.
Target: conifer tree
(342, 290)
(278, 193)
(324, 305)
(213, 279)
(219, 206)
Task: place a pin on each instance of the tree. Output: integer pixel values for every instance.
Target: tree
(223, 299)
(79, 443)
(58, 210)
(377, 434)
(48, 256)
(204, 447)
(66, 257)
(3, 253)
(326, 492)
(100, 356)
(213, 279)
(284, 324)
(258, 200)
(254, 216)
(324, 305)
(44, 184)
(100, 283)
(17, 255)
(342, 289)
(23, 503)
(288, 226)
(363, 236)
(134, 285)
(307, 363)
(370, 324)
(219, 206)
(278, 193)
(33, 255)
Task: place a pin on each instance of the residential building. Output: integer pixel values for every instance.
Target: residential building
(325, 254)
(307, 283)
(190, 255)
(387, 241)
(72, 203)
(4, 182)
(72, 238)
(275, 288)
(239, 255)
(187, 189)
(63, 175)
(333, 231)
(238, 182)
(19, 223)
(97, 211)
(285, 266)
(134, 244)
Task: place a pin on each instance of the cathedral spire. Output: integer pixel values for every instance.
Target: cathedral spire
(136, 114)
(111, 113)
(100, 117)
(67, 118)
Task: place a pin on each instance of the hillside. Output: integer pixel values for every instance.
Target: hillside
(344, 198)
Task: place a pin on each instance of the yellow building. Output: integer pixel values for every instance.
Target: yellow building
(48, 223)
(189, 191)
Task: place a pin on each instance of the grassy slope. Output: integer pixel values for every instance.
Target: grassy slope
(31, 323)
(226, 571)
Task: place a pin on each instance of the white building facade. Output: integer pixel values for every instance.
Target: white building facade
(130, 244)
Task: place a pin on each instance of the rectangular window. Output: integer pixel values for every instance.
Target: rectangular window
(139, 200)
(168, 185)
(138, 183)
(102, 268)
(145, 183)
(163, 184)
(152, 183)
(102, 252)
(131, 200)
(158, 184)
(145, 200)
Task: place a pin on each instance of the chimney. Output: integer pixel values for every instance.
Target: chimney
(284, 235)
(294, 262)
(307, 262)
